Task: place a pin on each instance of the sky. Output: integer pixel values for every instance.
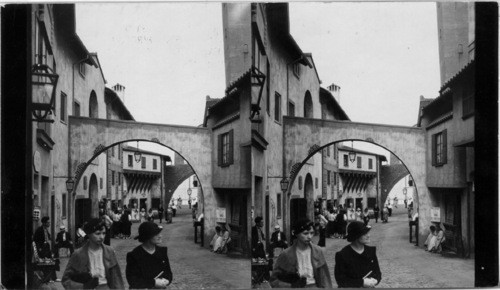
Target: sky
(170, 56)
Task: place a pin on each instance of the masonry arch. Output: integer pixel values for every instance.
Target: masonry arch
(308, 105)
(93, 105)
(305, 137)
(91, 137)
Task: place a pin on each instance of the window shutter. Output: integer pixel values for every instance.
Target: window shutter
(445, 147)
(231, 147)
(433, 151)
(219, 150)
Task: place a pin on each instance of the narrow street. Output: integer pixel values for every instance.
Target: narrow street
(404, 265)
(193, 267)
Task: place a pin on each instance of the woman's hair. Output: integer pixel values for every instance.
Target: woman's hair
(218, 229)
(301, 225)
(93, 225)
(433, 228)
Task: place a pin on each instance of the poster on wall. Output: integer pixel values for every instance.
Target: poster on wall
(220, 215)
(435, 214)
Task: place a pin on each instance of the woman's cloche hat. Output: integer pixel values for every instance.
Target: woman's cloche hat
(356, 229)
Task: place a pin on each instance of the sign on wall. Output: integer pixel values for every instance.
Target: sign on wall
(435, 214)
(220, 215)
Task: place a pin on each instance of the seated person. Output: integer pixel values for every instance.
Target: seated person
(63, 240)
(435, 240)
(223, 240)
(278, 238)
(429, 242)
(215, 243)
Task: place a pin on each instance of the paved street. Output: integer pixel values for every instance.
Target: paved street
(404, 265)
(193, 267)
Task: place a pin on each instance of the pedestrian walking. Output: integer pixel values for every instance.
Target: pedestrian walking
(174, 209)
(148, 265)
(341, 224)
(94, 265)
(376, 212)
(160, 213)
(150, 215)
(126, 224)
(322, 221)
(356, 265)
(109, 223)
(389, 207)
(302, 265)
(143, 215)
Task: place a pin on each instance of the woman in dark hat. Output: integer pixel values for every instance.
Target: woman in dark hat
(356, 265)
(94, 265)
(302, 265)
(148, 265)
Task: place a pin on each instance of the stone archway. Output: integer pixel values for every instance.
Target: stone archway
(305, 137)
(90, 137)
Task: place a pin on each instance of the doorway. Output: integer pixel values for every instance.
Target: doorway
(82, 211)
(298, 210)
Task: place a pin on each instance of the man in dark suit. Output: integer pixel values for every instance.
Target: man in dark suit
(63, 240)
(258, 239)
(42, 239)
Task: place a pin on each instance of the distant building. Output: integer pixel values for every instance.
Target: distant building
(359, 179)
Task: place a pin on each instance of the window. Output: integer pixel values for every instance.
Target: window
(119, 178)
(278, 205)
(359, 161)
(316, 182)
(300, 182)
(439, 148)
(112, 177)
(346, 160)
(296, 70)
(64, 205)
(155, 163)
(195, 183)
(130, 161)
(291, 109)
(334, 178)
(328, 151)
(112, 151)
(277, 107)
(82, 69)
(64, 111)
(101, 182)
(85, 182)
(328, 173)
(268, 88)
(119, 152)
(225, 148)
(370, 163)
(143, 163)
(76, 109)
(335, 152)
(468, 101)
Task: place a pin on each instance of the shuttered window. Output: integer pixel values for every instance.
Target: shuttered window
(225, 149)
(439, 148)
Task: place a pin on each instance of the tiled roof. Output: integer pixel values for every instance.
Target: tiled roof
(468, 66)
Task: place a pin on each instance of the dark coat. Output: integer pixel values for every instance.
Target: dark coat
(255, 236)
(143, 267)
(286, 269)
(351, 267)
(43, 247)
(59, 238)
(274, 239)
(77, 273)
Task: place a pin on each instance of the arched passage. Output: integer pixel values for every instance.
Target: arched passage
(304, 137)
(308, 105)
(90, 137)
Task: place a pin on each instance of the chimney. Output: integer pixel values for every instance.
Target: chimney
(120, 91)
(335, 91)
